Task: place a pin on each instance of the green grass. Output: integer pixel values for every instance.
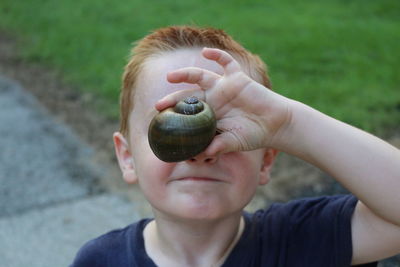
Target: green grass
(341, 57)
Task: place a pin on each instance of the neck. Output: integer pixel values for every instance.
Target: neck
(177, 243)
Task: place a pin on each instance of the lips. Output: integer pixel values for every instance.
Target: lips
(198, 179)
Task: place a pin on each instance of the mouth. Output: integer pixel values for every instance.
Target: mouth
(198, 179)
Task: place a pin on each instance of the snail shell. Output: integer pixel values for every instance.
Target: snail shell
(182, 132)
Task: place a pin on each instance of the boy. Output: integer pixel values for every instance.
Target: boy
(198, 203)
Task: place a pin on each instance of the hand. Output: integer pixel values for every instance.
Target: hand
(249, 115)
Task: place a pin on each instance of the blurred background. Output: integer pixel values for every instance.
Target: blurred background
(338, 56)
(341, 57)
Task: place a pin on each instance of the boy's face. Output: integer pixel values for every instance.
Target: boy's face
(199, 188)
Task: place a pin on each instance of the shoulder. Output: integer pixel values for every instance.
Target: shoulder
(302, 210)
(105, 249)
(311, 217)
(96, 251)
(315, 231)
(313, 207)
(304, 216)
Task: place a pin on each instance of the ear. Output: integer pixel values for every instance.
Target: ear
(125, 159)
(268, 162)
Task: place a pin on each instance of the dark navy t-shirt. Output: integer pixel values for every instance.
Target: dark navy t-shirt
(305, 233)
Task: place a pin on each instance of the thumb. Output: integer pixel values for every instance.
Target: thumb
(222, 143)
(171, 99)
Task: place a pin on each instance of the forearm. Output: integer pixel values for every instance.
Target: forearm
(363, 163)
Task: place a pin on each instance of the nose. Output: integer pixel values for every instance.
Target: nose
(203, 158)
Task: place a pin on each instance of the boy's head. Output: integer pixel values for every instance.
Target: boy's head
(203, 186)
(180, 37)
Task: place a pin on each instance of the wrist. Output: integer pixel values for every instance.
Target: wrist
(297, 120)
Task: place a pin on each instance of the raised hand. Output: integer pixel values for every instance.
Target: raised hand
(249, 115)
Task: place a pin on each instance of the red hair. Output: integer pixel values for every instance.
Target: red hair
(176, 37)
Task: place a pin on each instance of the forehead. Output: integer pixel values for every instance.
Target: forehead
(152, 82)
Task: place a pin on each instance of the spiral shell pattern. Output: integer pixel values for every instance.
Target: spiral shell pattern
(182, 132)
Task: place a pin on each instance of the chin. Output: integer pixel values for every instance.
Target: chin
(198, 207)
(199, 212)
(187, 212)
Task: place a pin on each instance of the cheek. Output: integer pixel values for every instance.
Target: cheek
(149, 167)
(153, 177)
(245, 166)
(146, 163)
(151, 172)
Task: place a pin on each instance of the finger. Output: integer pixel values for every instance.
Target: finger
(223, 58)
(171, 99)
(222, 143)
(204, 78)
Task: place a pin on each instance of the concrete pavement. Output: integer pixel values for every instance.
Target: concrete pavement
(51, 201)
